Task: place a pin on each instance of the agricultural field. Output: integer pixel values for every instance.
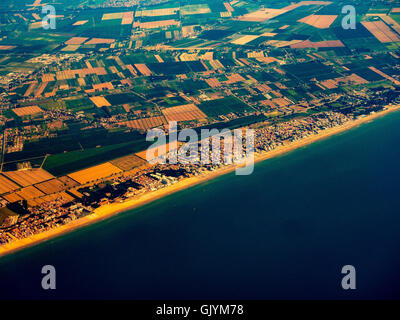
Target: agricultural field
(94, 173)
(28, 177)
(224, 106)
(128, 163)
(183, 113)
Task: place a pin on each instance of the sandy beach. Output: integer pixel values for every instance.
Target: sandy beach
(109, 210)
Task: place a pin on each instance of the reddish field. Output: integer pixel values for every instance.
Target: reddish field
(145, 123)
(143, 69)
(27, 111)
(319, 21)
(381, 31)
(183, 113)
(320, 44)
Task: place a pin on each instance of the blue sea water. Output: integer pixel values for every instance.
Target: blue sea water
(284, 232)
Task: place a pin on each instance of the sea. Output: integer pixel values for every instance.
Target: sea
(284, 232)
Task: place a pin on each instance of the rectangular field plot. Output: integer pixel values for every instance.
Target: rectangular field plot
(113, 16)
(12, 197)
(100, 102)
(27, 111)
(309, 70)
(95, 173)
(195, 9)
(183, 113)
(319, 21)
(56, 185)
(145, 123)
(224, 106)
(7, 185)
(30, 193)
(381, 31)
(28, 177)
(128, 163)
(156, 12)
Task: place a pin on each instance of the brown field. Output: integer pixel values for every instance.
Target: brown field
(12, 197)
(392, 23)
(245, 39)
(262, 15)
(94, 173)
(183, 113)
(127, 81)
(353, 78)
(36, 3)
(265, 14)
(102, 86)
(56, 185)
(143, 69)
(319, 44)
(100, 41)
(80, 73)
(113, 16)
(28, 177)
(76, 193)
(281, 102)
(30, 193)
(127, 18)
(68, 182)
(100, 102)
(7, 185)
(76, 40)
(71, 47)
(7, 47)
(159, 59)
(30, 89)
(319, 21)
(329, 84)
(40, 89)
(156, 12)
(216, 64)
(306, 3)
(268, 103)
(36, 25)
(267, 59)
(381, 31)
(131, 69)
(228, 7)
(384, 75)
(27, 111)
(264, 88)
(128, 163)
(80, 23)
(396, 10)
(63, 196)
(51, 186)
(233, 78)
(213, 82)
(157, 24)
(48, 77)
(145, 123)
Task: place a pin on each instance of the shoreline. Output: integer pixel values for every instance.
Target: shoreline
(109, 210)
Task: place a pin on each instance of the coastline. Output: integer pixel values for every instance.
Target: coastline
(110, 210)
